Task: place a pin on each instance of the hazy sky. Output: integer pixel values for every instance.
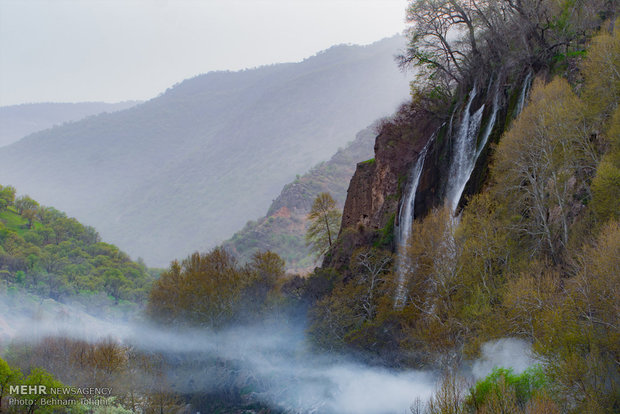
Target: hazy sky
(114, 50)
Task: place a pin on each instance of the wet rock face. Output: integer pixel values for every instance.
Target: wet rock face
(359, 196)
(374, 193)
(376, 188)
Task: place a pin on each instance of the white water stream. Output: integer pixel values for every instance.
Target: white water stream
(405, 220)
(467, 146)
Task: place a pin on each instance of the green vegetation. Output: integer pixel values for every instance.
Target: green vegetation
(504, 385)
(212, 290)
(535, 255)
(10, 376)
(45, 252)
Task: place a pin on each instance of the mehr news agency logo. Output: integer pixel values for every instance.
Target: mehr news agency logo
(72, 395)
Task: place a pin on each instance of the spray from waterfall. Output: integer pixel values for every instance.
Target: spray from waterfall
(405, 219)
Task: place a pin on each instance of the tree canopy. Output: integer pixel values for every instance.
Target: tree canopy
(45, 252)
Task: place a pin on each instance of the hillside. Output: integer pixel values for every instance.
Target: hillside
(283, 228)
(44, 252)
(17, 121)
(500, 185)
(477, 267)
(188, 168)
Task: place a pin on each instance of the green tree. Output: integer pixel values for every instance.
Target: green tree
(25, 203)
(202, 289)
(40, 377)
(8, 376)
(114, 281)
(7, 196)
(325, 221)
(540, 162)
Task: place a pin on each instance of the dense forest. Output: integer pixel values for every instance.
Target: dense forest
(525, 247)
(44, 252)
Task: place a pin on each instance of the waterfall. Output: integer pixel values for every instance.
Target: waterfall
(465, 151)
(405, 220)
(524, 89)
(487, 132)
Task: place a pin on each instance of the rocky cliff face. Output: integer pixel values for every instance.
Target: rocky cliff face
(376, 187)
(374, 194)
(376, 191)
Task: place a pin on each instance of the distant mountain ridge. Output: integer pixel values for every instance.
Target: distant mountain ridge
(282, 230)
(18, 121)
(185, 170)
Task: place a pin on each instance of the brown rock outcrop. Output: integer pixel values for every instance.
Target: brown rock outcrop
(373, 197)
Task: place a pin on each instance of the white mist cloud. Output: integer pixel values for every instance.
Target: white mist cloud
(507, 353)
(275, 354)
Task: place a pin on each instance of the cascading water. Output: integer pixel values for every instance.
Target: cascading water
(524, 89)
(405, 220)
(464, 152)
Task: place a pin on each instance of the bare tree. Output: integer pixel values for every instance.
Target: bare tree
(372, 265)
(325, 220)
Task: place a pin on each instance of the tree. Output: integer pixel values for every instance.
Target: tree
(325, 221)
(8, 376)
(455, 41)
(579, 338)
(7, 196)
(25, 203)
(260, 292)
(202, 289)
(371, 266)
(114, 282)
(432, 258)
(602, 75)
(540, 163)
(606, 184)
(39, 377)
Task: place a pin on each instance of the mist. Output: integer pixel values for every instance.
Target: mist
(273, 355)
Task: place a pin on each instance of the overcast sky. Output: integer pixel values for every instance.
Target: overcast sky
(115, 50)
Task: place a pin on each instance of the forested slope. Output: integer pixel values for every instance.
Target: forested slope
(530, 246)
(18, 121)
(44, 252)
